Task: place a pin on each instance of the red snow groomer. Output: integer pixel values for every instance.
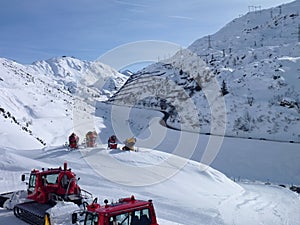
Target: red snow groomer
(45, 189)
(129, 211)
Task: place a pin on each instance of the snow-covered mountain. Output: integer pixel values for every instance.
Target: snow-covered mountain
(42, 103)
(127, 72)
(184, 192)
(252, 65)
(71, 72)
(36, 99)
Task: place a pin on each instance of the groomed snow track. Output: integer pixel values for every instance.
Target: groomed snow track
(32, 212)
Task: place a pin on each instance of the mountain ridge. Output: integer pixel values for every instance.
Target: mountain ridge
(255, 61)
(63, 84)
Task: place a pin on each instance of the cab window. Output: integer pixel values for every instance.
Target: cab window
(121, 219)
(91, 219)
(49, 179)
(65, 181)
(52, 178)
(32, 181)
(136, 217)
(141, 217)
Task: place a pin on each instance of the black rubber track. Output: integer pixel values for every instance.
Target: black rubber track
(32, 212)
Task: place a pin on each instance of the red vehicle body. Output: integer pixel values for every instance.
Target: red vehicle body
(45, 189)
(55, 181)
(73, 141)
(112, 142)
(127, 211)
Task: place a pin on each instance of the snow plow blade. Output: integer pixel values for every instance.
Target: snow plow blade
(32, 212)
(4, 197)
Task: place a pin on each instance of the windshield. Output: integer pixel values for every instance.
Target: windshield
(32, 181)
(91, 219)
(137, 217)
(51, 178)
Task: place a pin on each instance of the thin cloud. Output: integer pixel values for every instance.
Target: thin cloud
(181, 17)
(130, 3)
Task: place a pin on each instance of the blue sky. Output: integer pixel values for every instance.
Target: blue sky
(33, 30)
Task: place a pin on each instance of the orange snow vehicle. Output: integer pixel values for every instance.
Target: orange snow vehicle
(129, 144)
(127, 211)
(46, 189)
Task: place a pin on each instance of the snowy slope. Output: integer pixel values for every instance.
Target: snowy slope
(255, 58)
(183, 191)
(25, 101)
(190, 196)
(238, 158)
(36, 99)
(41, 104)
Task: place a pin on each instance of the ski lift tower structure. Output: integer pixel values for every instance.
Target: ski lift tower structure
(298, 33)
(209, 42)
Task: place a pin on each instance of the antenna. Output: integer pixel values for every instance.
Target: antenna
(280, 10)
(271, 13)
(209, 42)
(298, 33)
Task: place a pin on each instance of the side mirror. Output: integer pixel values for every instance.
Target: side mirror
(74, 218)
(23, 177)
